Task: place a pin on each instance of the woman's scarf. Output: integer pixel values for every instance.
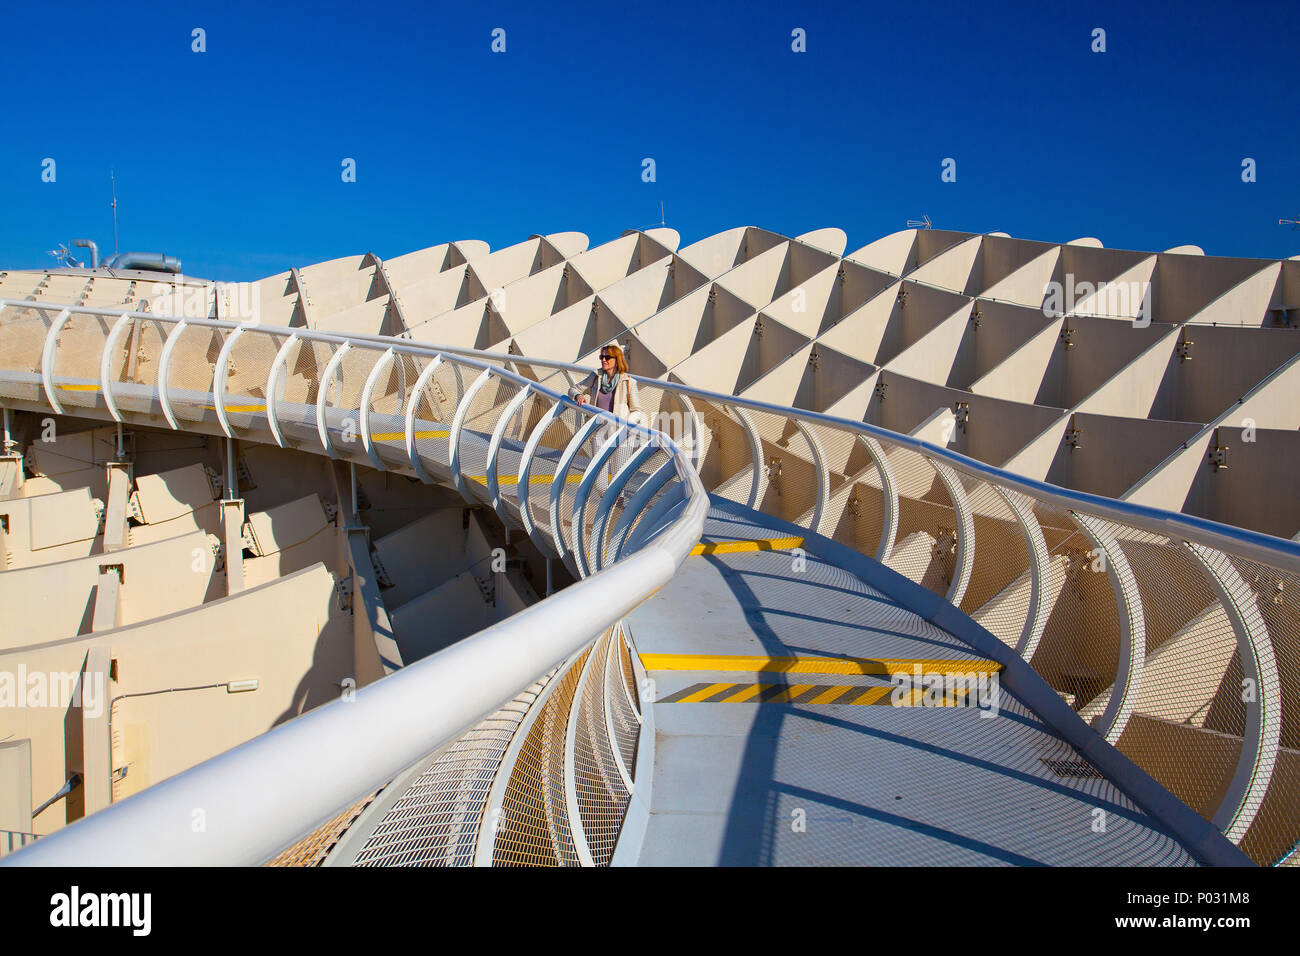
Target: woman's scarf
(608, 385)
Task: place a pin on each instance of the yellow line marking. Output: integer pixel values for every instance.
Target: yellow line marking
(239, 408)
(401, 436)
(872, 695)
(746, 692)
(814, 665)
(77, 388)
(733, 547)
(699, 695)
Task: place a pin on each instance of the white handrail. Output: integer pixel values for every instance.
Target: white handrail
(264, 795)
(1089, 513)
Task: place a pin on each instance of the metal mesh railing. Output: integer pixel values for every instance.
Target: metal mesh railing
(443, 418)
(533, 827)
(1178, 639)
(599, 789)
(436, 821)
(23, 332)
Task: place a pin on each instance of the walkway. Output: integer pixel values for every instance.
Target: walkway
(781, 740)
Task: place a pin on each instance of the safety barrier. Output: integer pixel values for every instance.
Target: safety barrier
(618, 503)
(1177, 638)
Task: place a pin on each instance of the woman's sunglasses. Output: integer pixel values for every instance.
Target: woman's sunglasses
(607, 358)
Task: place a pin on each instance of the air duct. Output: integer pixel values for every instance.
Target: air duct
(144, 261)
(94, 250)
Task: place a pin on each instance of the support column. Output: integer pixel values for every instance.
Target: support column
(96, 744)
(375, 652)
(115, 511)
(11, 463)
(108, 598)
(232, 523)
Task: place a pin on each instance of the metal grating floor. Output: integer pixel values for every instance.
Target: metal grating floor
(749, 783)
(435, 820)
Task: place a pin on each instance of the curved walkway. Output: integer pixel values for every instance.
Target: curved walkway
(790, 729)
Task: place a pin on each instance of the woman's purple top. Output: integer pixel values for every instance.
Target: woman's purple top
(604, 400)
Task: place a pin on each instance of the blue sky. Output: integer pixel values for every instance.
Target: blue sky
(231, 159)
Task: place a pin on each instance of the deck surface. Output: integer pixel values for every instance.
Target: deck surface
(796, 754)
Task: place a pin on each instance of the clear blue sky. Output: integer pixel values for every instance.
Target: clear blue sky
(230, 159)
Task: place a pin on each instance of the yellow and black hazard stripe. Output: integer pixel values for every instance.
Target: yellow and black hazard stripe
(816, 695)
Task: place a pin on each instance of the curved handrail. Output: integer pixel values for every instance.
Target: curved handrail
(1077, 516)
(260, 797)
(1253, 544)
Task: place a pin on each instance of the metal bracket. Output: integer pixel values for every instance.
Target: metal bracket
(961, 414)
(343, 592)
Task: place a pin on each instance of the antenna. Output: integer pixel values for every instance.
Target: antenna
(662, 221)
(922, 223)
(112, 178)
(1293, 223)
(64, 256)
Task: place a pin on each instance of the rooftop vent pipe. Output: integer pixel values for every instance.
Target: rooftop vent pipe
(144, 261)
(94, 250)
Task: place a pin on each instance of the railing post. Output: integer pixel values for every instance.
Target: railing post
(453, 435)
(1036, 545)
(580, 437)
(595, 467)
(965, 557)
(273, 387)
(1263, 729)
(615, 489)
(412, 452)
(47, 358)
(649, 488)
(1132, 629)
(525, 478)
(889, 497)
(164, 371)
(105, 366)
(758, 488)
(322, 396)
(823, 477)
(367, 391)
(219, 377)
(494, 454)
